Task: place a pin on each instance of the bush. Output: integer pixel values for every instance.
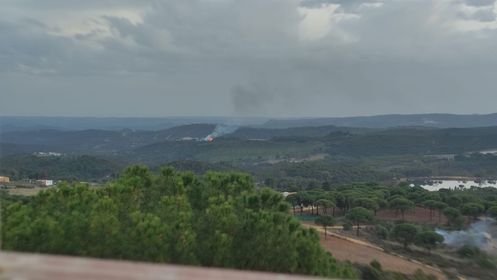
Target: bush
(467, 251)
(347, 226)
(370, 273)
(376, 265)
(381, 232)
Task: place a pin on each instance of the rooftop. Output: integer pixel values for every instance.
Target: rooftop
(41, 267)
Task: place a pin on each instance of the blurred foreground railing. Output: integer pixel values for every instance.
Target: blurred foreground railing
(35, 266)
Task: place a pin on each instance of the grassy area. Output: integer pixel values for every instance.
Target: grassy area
(27, 191)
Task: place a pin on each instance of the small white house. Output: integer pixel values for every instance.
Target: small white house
(45, 183)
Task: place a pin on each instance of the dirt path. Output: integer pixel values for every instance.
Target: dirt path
(345, 248)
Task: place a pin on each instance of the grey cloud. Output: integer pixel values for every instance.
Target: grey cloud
(487, 15)
(245, 58)
(479, 2)
(343, 3)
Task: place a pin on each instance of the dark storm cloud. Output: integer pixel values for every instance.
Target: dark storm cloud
(260, 57)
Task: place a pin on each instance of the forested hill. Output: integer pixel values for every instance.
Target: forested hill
(309, 131)
(252, 144)
(94, 140)
(389, 121)
(419, 141)
(78, 168)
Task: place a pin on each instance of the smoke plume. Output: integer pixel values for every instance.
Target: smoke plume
(220, 130)
(481, 234)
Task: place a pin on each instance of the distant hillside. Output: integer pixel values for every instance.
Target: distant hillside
(59, 168)
(101, 141)
(179, 132)
(7, 149)
(270, 133)
(8, 124)
(388, 121)
(405, 141)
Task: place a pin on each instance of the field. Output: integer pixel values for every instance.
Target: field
(26, 191)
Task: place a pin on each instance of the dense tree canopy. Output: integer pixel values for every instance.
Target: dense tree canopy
(219, 219)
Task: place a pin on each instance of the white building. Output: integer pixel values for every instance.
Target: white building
(45, 183)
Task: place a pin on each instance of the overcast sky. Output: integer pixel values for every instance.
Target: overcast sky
(247, 57)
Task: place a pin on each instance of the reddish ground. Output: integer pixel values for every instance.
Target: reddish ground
(417, 215)
(346, 250)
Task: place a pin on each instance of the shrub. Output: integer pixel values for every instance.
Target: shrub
(347, 226)
(381, 232)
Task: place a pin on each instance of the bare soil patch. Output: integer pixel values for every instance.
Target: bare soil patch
(346, 249)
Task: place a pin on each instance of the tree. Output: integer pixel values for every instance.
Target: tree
(219, 219)
(402, 205)
(325, 204)
(492, 211)
(429, 239)
(430, 204)
(454, 201)
(454, 217)
(440, 206)
(472, 209)
(358, 216)
(405, 233)
(367, 203)
(293, 200)
(325, 221)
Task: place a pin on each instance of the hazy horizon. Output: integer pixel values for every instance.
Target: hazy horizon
(240, 117)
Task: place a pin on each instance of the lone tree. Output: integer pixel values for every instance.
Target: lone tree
(325, 221)
(401, 204)
(405, 234)
(429, 240)
(358, 216)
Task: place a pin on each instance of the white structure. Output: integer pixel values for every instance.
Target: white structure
(45, 183)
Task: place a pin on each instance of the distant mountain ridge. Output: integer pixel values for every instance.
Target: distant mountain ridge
(9, 123)
(389, 121)
(95, 140)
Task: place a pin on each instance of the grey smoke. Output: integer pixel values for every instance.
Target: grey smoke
(481, 234)
(250, 99)
(220, 130)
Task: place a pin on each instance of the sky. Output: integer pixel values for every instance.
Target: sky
(270, 58)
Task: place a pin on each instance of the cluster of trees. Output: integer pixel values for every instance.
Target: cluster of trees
(360, 202)
(407, 234)
(317, 174)
(220, 219)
